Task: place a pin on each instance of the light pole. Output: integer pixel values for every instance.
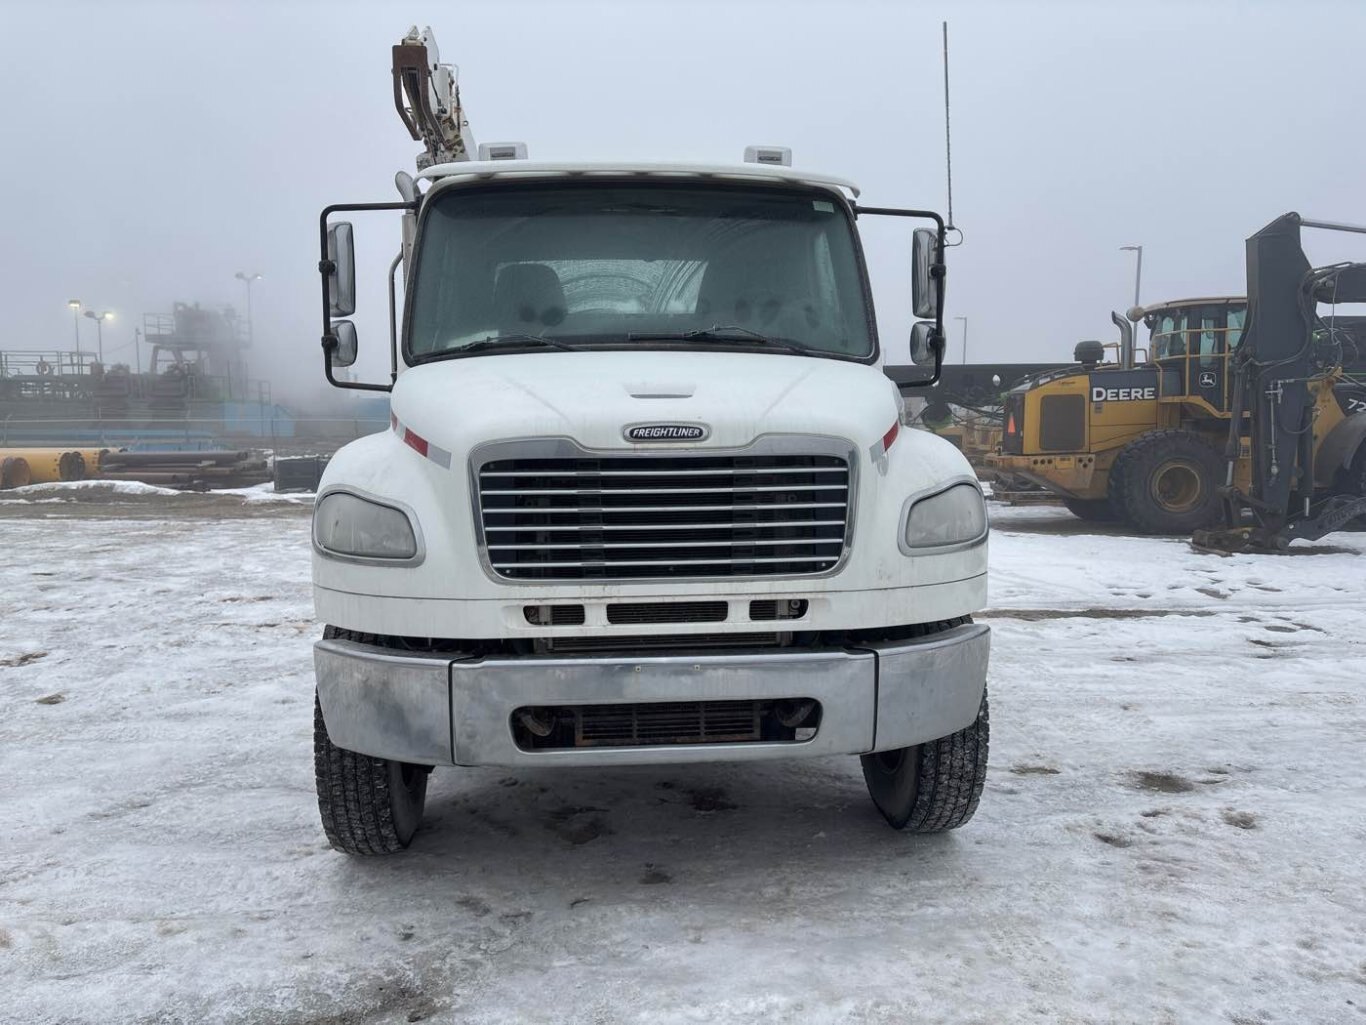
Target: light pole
(965, 337)
(1138, 269)
(247, 279)
(99, 319)
(75, 305)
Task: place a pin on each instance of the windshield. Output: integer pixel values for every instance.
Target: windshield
(1207, 331)
(638, 264)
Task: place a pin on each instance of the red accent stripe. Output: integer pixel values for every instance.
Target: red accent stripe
(393, 421)
(890, 436)
(418, 445)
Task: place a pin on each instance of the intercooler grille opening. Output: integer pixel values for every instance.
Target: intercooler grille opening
(787, 720)
(668, 612)
(554, 615)
(766, 609)
(661, 643)
(664, 516)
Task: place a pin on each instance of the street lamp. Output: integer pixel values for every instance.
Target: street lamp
(1138, 269)
(99, 319)
(965, 337)
(75, 305)
(247, 279)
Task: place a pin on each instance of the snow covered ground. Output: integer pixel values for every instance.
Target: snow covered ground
(1174, 828)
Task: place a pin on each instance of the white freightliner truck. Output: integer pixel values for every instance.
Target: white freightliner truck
(646, 497)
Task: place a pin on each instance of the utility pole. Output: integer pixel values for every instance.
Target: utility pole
(99, 319)
(137, 348)
(247, 279)
(75, 305)
(1138, 269)
(965, 337)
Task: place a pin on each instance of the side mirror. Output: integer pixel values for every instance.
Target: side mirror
(927, 286)
(345, 352)
(926, 343)
(341, 280)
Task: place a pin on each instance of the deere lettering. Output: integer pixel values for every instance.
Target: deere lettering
(1099, 394)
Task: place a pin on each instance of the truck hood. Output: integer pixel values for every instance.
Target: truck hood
(592, 397)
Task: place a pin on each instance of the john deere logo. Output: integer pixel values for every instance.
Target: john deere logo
(666, 432)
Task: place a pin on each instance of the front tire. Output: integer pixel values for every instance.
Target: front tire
(1166, 482)
(933, 786)
(368, 805)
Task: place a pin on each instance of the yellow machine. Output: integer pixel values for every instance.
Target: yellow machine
(1144, 440)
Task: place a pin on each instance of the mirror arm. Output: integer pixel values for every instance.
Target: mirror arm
(325, 267)
(938, 271)
(329, 347)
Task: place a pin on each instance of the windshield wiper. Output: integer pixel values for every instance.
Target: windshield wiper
(498, 341)
(722, 333)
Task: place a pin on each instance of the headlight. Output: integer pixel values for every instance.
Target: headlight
(954, 516)
(348, 525)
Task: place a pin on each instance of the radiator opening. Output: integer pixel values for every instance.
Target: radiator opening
(668, 612)
(781, 720)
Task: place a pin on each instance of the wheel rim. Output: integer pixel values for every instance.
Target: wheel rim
(1177, 486)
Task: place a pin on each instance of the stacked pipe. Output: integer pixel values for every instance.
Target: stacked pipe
(192, 470)
(20, 466)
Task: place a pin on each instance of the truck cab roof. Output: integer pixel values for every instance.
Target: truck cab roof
(488, 169)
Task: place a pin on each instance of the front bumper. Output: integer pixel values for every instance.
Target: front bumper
(435, 710)
(1072, 476)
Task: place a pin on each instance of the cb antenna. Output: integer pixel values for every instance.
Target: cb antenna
(948, 140)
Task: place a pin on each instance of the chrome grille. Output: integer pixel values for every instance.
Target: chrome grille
(671, 516)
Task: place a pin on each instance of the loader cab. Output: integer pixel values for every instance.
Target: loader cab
(1191, 342)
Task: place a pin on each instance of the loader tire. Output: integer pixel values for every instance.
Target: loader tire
(367, 805)
(1093, 510)
(935, 786)
(1166, 482)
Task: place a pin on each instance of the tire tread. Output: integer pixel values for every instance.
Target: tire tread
(1132, 505)
(353, 789)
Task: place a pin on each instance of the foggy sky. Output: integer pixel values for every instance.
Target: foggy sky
(149, 151)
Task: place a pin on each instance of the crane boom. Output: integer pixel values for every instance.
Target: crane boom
(427, 97)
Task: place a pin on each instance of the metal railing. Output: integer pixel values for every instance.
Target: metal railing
(46, 363)
(281, 432)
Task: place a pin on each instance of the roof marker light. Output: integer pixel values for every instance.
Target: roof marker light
(502, 151)
(780, 156)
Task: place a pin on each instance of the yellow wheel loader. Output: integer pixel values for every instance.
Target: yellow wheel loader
(1151, 440)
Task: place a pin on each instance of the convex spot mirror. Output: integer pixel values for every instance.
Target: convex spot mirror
(341, 280)
(926, 288)
(925, 341)
(345, 352)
